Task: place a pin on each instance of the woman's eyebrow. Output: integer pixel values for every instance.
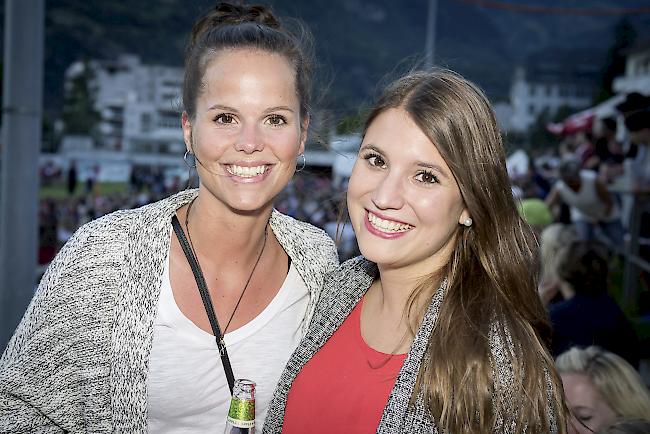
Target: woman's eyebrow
(371, 147)
(435, 167)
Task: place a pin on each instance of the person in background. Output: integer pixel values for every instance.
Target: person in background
(585, 151)
(71, 178)
(632, 108)
(118, 337)
(590, 203)
(552, 240)
(636, 111)
(587, 315)
(609, 151)
(627, 426)
(600, 388)
(638, 127)
(437, 327)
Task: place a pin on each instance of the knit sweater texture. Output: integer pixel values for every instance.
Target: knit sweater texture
(78, 360)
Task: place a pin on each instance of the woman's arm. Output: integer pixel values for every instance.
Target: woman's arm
(552, 200)
(53, 369)
(604, 196)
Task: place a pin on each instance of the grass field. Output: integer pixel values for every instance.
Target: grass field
(58, 190)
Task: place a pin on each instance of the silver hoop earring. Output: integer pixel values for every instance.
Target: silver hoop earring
(468, 222)
(304, 163)
(189, 159)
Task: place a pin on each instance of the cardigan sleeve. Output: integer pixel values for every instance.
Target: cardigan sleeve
(52, 371)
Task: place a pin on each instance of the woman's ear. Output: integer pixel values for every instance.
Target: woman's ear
(465, 219)
(187, 131)
(304, 127)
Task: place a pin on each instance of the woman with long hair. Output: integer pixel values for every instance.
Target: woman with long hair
(146, 316)
(438, 326)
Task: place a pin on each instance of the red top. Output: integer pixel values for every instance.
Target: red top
(344, 387)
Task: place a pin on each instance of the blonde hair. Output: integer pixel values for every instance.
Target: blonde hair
(618, 383)
(552, 240)
(492, 291)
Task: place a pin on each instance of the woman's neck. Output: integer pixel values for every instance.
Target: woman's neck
(388, 323)
(220, 234)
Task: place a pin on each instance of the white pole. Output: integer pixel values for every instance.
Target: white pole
(430, 45)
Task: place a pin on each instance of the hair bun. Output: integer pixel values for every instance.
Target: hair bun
(224, 14)
(228, 13)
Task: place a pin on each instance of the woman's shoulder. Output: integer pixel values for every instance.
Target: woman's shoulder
(121, 222)
(287, 223)
(352, 276)
(358, 267)
(302, 235)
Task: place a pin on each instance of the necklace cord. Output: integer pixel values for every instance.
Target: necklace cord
(207, 303)
(250, 276)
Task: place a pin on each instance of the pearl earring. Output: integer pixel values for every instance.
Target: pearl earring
(468, 222)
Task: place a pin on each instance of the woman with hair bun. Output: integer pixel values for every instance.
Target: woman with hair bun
(146, 316)
(437, 328)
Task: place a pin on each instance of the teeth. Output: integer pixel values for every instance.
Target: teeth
(244, 171)
(387, 225)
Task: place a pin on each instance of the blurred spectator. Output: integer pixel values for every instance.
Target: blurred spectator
(636, 112)
(588, 315)
(609, 152)
(92, 179)
(585, 151)
(71, 181)
(590, 203)
(552, 240)
(47, 231)
(627, 426)
(531, 183)
(49, 173)
(638, 126)
(600, 387)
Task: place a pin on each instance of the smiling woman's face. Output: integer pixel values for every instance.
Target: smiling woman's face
(247, 130)
(589, 409)
(403, 199)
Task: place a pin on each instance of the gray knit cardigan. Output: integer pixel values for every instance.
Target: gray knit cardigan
(341, 292)
(78, 360)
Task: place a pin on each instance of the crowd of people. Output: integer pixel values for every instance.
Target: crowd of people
(147, 315)
(578, 203)
(310, 196)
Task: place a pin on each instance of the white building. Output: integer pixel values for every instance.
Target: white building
(139, 105)
(637, 72)
(545, 89)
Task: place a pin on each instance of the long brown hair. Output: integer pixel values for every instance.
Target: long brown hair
(492, 272)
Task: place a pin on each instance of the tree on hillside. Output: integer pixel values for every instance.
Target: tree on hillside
(79, 114)
(624, 37)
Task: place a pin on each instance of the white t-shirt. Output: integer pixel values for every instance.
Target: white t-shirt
(187, 390)
(585, 205)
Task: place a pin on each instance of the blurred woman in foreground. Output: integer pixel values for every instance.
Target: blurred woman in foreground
(600, 388)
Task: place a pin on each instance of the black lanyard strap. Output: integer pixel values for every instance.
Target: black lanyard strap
(207, 301)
